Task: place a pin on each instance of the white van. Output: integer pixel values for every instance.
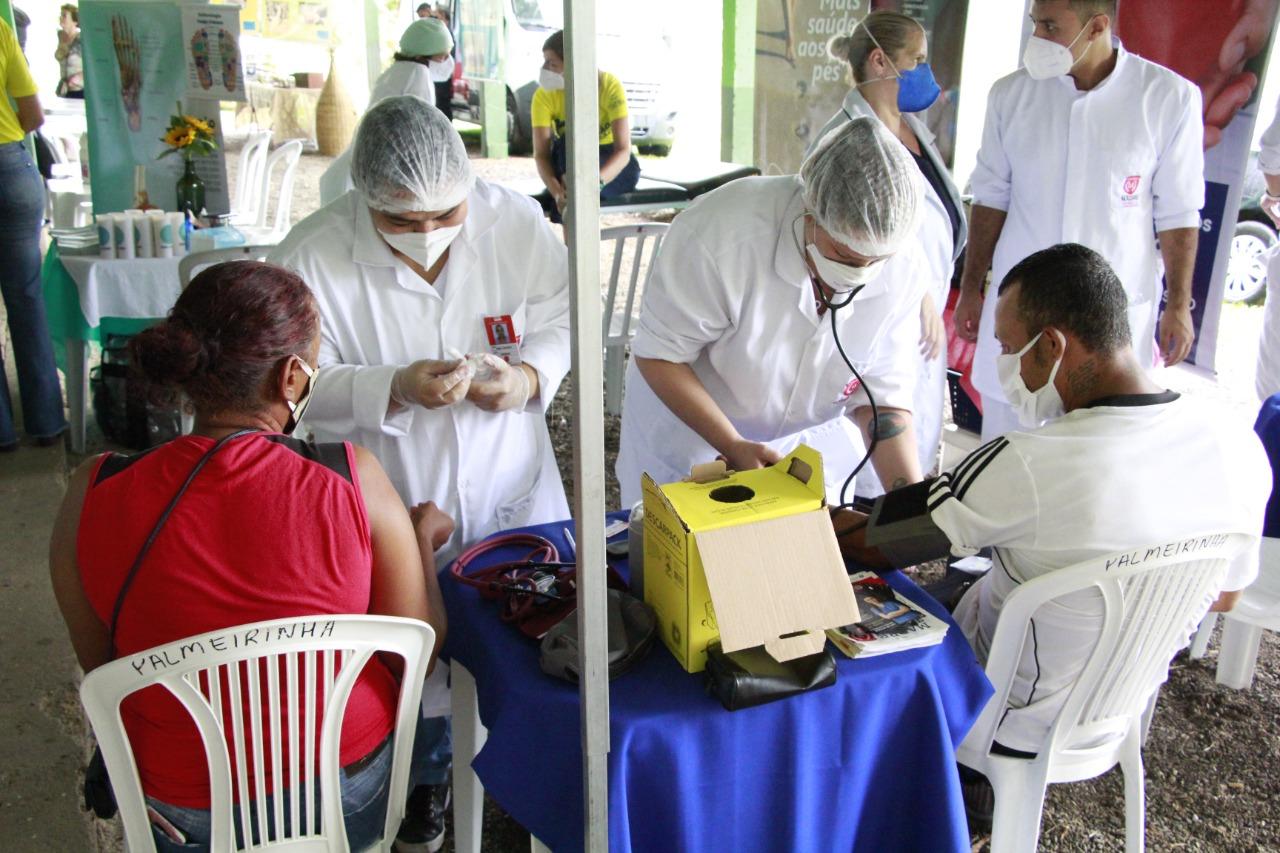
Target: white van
(640, 60)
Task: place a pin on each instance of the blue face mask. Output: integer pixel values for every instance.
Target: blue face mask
(917, 90)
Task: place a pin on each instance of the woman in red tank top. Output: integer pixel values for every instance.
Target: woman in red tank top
(271, 527)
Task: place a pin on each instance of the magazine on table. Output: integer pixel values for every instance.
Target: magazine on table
(886, 622)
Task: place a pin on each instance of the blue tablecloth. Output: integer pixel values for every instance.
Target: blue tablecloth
(868, 764)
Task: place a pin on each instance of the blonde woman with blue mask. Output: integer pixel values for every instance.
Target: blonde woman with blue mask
(888, 56)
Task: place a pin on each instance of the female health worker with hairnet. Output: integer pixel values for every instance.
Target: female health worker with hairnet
(735, 353)
(888, 57)
(414, 269)
(424, 59)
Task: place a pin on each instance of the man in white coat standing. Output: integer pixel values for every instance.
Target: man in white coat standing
(414, 269)
(1088, 144)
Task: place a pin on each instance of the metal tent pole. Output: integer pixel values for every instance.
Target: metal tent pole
(583, 224)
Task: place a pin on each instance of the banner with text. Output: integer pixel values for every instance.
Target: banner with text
(799, 86)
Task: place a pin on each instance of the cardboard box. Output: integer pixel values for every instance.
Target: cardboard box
(308, 79)
(759, 545)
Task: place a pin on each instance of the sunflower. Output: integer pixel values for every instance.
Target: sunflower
(199, 124)
(179, 137)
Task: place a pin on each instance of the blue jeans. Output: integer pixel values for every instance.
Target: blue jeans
(432, 752)
(364, 810)
(21, 214)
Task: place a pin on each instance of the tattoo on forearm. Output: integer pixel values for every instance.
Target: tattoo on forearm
(1083, 380)
(887, 425)
(898, 483)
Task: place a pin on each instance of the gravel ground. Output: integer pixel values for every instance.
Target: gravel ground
(1210, 758)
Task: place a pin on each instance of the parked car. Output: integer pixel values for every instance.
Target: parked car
(636, 59)
(1252, 242)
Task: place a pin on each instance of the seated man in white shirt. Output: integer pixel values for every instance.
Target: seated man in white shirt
(1108, 461)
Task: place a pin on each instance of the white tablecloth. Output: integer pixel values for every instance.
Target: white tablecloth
(123, 288)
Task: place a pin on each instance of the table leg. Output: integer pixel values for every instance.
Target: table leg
(468, 738)
(78, 391)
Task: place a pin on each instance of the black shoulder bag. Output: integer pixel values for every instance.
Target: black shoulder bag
(98, 795)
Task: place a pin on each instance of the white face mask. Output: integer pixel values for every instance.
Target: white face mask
(550, 80)
(843, 278)
(1045, 59)
(1033, 407)
(425, 249)
(441, 72)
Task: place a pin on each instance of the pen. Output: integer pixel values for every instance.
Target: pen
(573, 546)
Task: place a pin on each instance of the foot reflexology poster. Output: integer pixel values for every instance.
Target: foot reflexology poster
(136, 56)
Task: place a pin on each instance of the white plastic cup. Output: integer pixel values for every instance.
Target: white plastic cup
(107, 235)
(161, 233)
(125, 247)
(84, 212)
(177, 223)
(143, 236)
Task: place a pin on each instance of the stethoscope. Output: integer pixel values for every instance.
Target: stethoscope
(832, 307)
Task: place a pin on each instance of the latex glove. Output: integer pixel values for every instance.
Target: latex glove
(506, 390)
(1176, 335)
(933, 332)
(1271, 207)
(432, 524)
(746, 455)
(968, 316)
(432, 384)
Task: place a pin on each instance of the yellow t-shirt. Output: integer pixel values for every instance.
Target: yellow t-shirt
(548, 108)
(17, 83)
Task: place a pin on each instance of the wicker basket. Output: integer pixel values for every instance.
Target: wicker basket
(335, 115)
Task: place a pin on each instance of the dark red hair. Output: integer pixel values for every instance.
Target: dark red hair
(226, 337)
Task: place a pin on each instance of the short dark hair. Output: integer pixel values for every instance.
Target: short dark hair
(555, 44)
(1073, 288)
(1086, 9)
(71, 10)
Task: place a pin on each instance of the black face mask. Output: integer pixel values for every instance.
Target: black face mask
(298, 409)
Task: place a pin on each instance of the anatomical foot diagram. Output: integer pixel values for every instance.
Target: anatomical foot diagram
(229, 53)
(200, 54)
(129, 58)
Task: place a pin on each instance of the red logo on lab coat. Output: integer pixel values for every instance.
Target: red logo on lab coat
(1131, 184)
(850, 388)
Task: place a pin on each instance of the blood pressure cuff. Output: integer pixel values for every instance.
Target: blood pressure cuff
(902, 529)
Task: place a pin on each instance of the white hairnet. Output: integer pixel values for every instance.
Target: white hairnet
(407, 157)
(863, 188)
(426, 37)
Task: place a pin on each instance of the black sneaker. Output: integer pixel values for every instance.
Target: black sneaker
(422, 830)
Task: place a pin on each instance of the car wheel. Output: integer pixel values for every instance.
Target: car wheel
(1247, 268)
(519, 136)
(654, 150)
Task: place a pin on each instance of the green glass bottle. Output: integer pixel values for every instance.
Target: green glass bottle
(190, 190)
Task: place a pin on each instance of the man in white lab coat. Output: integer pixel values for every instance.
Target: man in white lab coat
(736, 353)
(1093, 145)
(413, 269)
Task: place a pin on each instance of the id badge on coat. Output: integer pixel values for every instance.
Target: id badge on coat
(504, 341)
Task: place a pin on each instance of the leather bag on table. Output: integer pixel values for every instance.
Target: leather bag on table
(751, 677)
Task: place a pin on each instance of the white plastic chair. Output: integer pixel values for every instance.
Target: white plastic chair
(329, 651)
(620, 309)
(196, 261)
(249, 198)
(1151, 605)
(1257, 610)
(270, 228)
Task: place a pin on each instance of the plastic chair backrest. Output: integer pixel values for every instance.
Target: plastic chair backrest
(253, 156)
(629, 242)
(286, 155)
(200, 671)
(196, 261)
(1153, 597)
